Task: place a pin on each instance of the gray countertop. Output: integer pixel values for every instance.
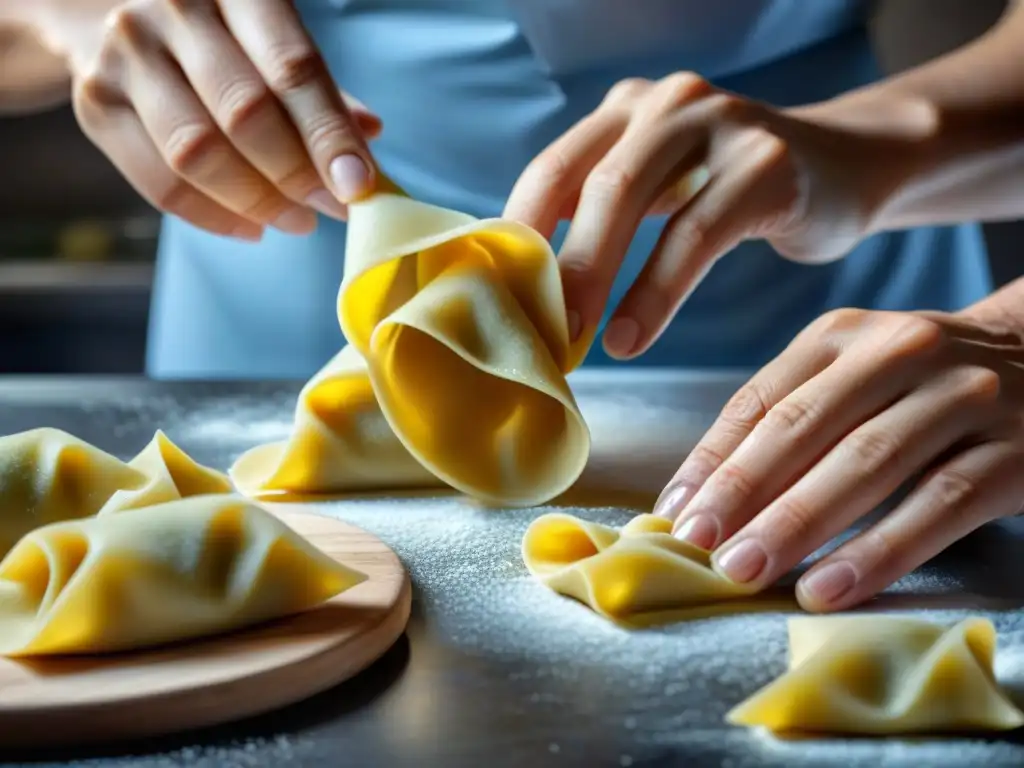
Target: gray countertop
(494, 669)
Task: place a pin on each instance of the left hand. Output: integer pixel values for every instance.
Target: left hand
(859, 403)
(723, 168)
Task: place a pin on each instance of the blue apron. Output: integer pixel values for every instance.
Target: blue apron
(470, 91)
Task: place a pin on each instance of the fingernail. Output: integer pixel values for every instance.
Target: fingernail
(351, 177)
(830, 583)
(742, 562)
(251, 232)
(621, 336)
(672, 502)
(296, 221)
(573, 320)
(701, 531)
(325, 202)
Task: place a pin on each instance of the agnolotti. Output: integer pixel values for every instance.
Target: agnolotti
(639, 575)
(47, 475)
(176, 571)
(340, 442)
(884, 675)
(460, 327)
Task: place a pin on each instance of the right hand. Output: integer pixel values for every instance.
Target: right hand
(221, 112)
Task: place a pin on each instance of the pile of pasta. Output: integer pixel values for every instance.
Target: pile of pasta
(101, 555)
(454, 373)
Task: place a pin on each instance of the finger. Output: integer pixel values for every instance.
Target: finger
(192, 145)
(244, 108)
(549, 187)
(800, 429)
(118, 132)
(742, 193)
(273, 37)
(614, 199)
(858, 474)
(745, 410)
(369, 123)
(976, 486)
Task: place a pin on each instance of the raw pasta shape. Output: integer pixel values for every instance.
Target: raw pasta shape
(341, 442)
(170, 474)
(461, 326)
(47, 475)
(176, 571)
(884, 675)
(639, 575)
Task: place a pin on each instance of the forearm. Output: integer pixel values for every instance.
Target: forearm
(949, 134)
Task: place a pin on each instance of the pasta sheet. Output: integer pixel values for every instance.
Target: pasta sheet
(457, 332)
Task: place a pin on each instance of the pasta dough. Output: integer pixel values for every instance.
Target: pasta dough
(175, 571)
(883, 675)
(460, 325)
(341, 441)
(638, 575)
(47, 475)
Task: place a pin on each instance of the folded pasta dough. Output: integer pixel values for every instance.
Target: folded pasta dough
(463, 328)
(884, 675)
(176, 571)
(341, 441)
(169, 474)
(47, 475)
(640, 574)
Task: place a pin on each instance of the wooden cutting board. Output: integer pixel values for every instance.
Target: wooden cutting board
(74, 701)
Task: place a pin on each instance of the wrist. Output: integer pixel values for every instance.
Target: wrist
(890, 140)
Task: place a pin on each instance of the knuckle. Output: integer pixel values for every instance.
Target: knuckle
(873, 450)
(172, 197)
(682, 87)
(913, 335)
(952, 489)
(792, 415)
(841, 321)
(878, 545)
(702, 462)
(735, 481)
(628, 90)
(188, 145)
(792, 519)
(981, 385)
(125, 28)
(551, 168)
(727, 106)
(241, 102)
(748, 407)
(290, 68)
(89, 99)
(609, 182)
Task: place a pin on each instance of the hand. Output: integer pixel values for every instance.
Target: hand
(220, 112)
(722, 167)
(859, 403)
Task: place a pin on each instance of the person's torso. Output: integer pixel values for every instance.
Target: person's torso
(471, 90)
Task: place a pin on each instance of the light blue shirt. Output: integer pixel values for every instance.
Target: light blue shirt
(470, 91)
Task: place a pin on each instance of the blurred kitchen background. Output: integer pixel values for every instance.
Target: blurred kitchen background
(77, 244)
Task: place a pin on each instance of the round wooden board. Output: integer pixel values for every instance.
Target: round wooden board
(73, 701)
